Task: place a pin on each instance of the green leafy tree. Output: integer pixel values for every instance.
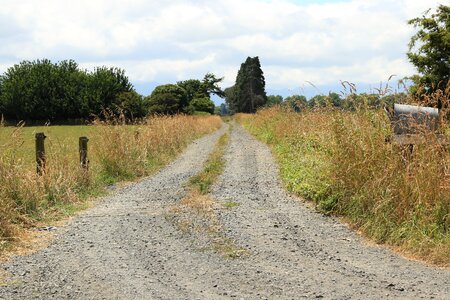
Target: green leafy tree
(199, 92)
(42, 90)
(2, 108)
(429, 49)
(104, 87)
(390, 99)
(210, 84)
(248, 93)
(223, 110)
(318, 101)
(167, 99)
(335, 99)
(204, 104)
(231, 99)
(295, 102)
(194, 89)
(70, 84)
(363, 100)
(19, 100)
(331, 100)
(132, 105)
(274, 100)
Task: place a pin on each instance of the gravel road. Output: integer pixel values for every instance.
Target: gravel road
(128, 248)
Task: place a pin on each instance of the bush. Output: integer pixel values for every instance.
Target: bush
(203, 104)
(42, 90)
(167, 99)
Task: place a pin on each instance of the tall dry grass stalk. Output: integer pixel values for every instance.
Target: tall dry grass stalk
(127, 151)
(117, 152)
(343, 162)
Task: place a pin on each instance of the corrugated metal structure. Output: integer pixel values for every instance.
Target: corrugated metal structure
(410, 119)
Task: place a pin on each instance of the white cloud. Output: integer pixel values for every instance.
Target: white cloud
(165, 41)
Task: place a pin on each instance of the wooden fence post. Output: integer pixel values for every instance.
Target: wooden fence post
(84, 162)
(40, 153)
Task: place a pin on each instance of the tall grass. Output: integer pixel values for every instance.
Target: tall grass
(341, 161)
(116, 151)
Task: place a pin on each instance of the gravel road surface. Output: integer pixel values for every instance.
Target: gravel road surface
(128, 248)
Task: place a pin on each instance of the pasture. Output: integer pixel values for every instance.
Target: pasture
(60, 141)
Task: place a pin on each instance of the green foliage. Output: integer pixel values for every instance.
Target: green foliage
(389, 100)
(318, 101)
(198, 89)
(132, 104)
(42, 90)
(223, 110)
(104, 86)
(203, 104)
(194, 89)
(211, 85)
(163, 103)
(231, 99)
(274, 100)
(359, 101)
(248, 93)
(295, 102)
(167, 99)
(333, 99)
(429, 49)
(188, 96)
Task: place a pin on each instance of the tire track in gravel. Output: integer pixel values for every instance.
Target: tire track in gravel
(127, 249)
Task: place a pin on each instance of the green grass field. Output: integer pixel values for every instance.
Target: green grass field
(60, 140)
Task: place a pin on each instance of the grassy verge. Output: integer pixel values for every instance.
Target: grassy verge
(117, 152)
(195, 214)
(340, 160)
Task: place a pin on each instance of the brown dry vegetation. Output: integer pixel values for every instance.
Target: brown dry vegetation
(116, 151)
(341, 160)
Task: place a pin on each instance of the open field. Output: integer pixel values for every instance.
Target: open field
(116, 152)
(60, 141)
(341, 161)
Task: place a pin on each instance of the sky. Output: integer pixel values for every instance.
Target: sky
(304, 46)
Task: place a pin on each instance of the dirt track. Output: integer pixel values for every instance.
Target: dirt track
(127, 247)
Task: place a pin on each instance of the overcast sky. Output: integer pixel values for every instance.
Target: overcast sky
(158, 42)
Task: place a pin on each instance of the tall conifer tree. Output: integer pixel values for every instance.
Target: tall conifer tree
(248, 93)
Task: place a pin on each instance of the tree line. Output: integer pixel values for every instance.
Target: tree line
(43, 90)
(350, 102)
